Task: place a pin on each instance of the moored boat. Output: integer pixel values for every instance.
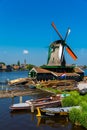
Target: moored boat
(54, 111)
(53, 101)
(19, 106)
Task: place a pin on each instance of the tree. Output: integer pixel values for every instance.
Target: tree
(2, 63)
(30, 66)
(18, 63)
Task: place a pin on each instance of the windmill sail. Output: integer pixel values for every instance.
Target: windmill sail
(56, 50)
(53, 25)
(67, 33)
(71, 53)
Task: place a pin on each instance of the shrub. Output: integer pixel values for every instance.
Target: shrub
(70, 101)
(73, 100)
(74, 93)
(83, 120)
(75, 115)
(84, 106)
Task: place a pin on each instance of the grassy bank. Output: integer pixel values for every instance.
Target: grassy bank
(77, 116)
(51, 90)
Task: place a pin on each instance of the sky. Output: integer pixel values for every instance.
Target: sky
(26, 31)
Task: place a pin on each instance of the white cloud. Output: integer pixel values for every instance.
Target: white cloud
(25, 51)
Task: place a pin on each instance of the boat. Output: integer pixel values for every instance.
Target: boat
(19, 106)
(53, 101)
(55, 111)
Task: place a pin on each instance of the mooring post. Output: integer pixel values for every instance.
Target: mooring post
(20, 99)
(32, 107)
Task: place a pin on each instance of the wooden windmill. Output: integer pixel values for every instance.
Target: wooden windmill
(56, 50)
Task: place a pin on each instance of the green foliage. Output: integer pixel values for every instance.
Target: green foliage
(83, 119)
(75, 115)
(42, 66)
(78, 116)
(56, 91)
(70, 101)
(38, 86)
(30, 66)
(84, 98)
(74, 93)
(84, 106)
(73, 100)
(2, 63)
(18, 63)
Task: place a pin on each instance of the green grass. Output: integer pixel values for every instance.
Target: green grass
(52, 90)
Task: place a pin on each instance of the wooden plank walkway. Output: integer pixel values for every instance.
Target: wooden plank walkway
(13, 93)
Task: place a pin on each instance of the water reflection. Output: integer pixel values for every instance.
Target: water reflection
(53, 121)
(58, 123)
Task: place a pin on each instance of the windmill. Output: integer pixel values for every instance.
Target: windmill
(56, 50)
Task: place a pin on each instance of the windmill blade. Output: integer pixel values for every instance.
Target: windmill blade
(53, 25)
(67, 33)
(71, 53)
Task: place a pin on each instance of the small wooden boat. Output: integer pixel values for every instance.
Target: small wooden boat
(19, 106)
(53, 101)
(55, 111)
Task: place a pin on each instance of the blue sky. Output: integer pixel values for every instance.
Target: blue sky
(26, 31)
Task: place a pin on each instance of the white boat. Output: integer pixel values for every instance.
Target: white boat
(19, 106)
(53, 101)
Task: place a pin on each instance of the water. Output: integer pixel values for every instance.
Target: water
(5, 76)
(25, 120)
(12, 75)
(85, 72)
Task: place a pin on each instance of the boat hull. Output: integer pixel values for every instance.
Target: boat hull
(20, 106)
(58, 111)
(41, 103)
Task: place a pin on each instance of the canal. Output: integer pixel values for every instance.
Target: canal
(25, 120)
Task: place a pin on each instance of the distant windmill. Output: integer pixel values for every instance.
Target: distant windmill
(56, 50)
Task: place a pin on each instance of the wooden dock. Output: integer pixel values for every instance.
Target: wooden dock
(13, 93)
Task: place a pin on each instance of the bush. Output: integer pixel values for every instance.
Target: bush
(75, 115)
(73, 100)
(83, 120)
(84, 106)
(70, 101)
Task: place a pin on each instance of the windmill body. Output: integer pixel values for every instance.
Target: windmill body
(55, 54)
(56, 50)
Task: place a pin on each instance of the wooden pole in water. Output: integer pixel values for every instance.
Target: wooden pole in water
(20, 99)
(32, 108)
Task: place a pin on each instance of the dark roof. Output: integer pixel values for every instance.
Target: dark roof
(67, 74)
(40, 70)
